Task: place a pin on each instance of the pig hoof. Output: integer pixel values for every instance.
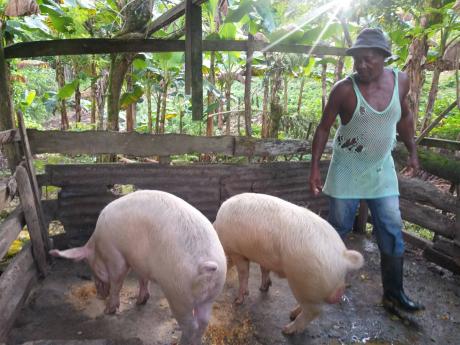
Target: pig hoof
(264, 287)
(109, 310)
(142, 299)
(294, 313)
(289, 329)
(239, 300)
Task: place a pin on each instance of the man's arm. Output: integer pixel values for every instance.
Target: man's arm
(405, 127)
(322, 134)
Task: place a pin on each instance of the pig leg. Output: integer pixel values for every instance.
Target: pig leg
(203, 313)
(242, 266)
(117, 274)
(266, 281)
(295, 312)
(308, 313)
(144, 292)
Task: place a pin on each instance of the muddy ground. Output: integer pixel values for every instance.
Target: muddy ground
(64, 307)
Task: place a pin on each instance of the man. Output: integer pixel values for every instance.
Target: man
(372, 106)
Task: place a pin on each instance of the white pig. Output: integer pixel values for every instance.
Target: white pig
(163, 239)
(291, 241)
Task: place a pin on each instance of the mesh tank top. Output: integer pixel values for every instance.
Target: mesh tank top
(362, 166)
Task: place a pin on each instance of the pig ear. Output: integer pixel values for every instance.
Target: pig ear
(76, 254)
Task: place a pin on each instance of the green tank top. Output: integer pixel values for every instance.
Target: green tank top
(362, 166)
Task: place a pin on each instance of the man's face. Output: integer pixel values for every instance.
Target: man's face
(368, 64)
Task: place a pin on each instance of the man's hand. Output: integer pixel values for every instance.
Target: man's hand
(413, 165)
(316, 185)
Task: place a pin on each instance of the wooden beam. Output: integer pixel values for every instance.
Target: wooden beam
(245, 146)
(169, 16)
(112, 45)
(136, 144)
(428, 218)
(33, 179)
(32, 219)
(194, 57)
(425, 193)
(15, 285)
(441, 143)
(10, 229)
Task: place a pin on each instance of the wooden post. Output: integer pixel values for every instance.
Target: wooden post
(33, 179)
(194, 57)
(247, 87)
(361, 218)
(33, 222)
(6, 110)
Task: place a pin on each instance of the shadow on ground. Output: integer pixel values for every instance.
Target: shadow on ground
(64, 307)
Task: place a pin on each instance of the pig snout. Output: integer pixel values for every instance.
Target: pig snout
(336, 296)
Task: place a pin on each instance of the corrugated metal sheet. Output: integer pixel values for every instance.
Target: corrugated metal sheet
(86, 189)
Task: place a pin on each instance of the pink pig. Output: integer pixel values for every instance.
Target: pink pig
(291, 241)
(163, 239)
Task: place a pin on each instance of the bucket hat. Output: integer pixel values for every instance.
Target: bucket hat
(371, 38)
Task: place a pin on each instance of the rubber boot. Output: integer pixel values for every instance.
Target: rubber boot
(392, 280)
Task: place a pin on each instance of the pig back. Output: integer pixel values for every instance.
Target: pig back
(277, 234)
(161, 236)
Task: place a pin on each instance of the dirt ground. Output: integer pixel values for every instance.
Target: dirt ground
(64, 307)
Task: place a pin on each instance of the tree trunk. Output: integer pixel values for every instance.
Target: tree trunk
(163, 108)
(220, 118)
(276, 109)
(118, 67)
(339, 68)
(93, 91)
(77, 104)
(228, 95)
(417, 56)
(181, 123)
(60, 78)
(157, 119)
(431, 99)
(247, 88)
(129, 109)
(265, 115)
(299, 102)
(211, 99)
(285, 100)
(323, 86)
(149, 104)
(101, 89)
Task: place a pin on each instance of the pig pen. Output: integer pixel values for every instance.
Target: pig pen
(63, 308)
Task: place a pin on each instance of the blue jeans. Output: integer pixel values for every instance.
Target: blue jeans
(386, 219)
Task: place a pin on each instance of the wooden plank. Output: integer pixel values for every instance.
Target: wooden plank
(361, 218)
(33, 179)
(136, 144)
(15, 285)
(169, 16)
(245, 146)
(441, 143)
(194, 57)
(442, 260)
(33, 222)
(416, 241)
(428, 218)
(82, 46)
(10, 229)
(424, 192)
